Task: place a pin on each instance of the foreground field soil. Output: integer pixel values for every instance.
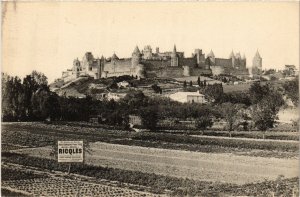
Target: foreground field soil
(38, 183)
(161, 163)
(225, 168)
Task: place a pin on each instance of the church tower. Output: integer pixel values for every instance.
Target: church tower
(174, 57)
(76, 67)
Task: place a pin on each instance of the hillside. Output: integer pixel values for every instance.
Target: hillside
(88, 86)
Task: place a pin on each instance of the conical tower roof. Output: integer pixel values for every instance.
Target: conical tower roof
(211, 54)
(114, 56)
(174, 49)
(238, 55)
(231, 54)
(136, 50)
(257, 54)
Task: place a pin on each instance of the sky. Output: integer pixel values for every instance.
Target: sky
(48, 36)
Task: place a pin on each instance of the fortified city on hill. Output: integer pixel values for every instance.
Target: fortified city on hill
(146, 64)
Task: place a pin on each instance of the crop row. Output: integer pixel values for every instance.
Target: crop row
(14, 174)
(221, 142)
(36, 136)
(67, 187)
(160, 183)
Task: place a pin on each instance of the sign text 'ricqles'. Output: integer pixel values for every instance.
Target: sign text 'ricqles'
(70, 151)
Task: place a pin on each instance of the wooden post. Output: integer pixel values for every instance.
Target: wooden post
(69, 169)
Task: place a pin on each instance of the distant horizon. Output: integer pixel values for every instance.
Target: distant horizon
(48, 36)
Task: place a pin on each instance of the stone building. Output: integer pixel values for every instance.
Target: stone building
(188, 97)
(159, 64)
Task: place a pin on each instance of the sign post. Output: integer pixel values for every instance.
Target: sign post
(70, 152)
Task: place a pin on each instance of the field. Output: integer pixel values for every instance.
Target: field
(39, 134)
(226, 168)
(163, 163)
(58, 185)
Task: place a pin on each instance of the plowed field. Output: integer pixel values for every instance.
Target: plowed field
(223, 167)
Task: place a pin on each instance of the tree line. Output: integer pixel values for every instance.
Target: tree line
(30, 99)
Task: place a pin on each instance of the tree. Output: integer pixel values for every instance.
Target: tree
(39, 78)
(31, 83)
(230, 113)
(214, 91)
(257, 92)
(184, 84)
(203, 122)
(149, 117)
(191, 83)
(53, 107)
(113, 85)
(12, 98)
(156, 88)
(264, 113)
(263, 117)
(134, 100)
(237, 97)
(198, 81)
(291, 89)
(45, 105)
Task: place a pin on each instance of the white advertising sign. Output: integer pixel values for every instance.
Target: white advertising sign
(70, 151)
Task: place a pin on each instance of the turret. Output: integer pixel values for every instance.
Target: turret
(136, 57)
(232, 57)
(238, 56)
(147, 53)
(257, 64)
(211, 56)
(198, 53)
(174, 58)
(244, 57)
(114, 57)
(87, 61)
(257, 61)
(157, 50)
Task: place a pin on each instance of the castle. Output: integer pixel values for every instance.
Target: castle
(148, 64)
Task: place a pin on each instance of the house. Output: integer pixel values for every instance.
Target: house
(94, 120)
(115, 96)
(123, 84)
(188, 97)
(290, 70)
(135, 123)
(135, 120)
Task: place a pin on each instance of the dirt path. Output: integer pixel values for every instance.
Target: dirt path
(246, 139)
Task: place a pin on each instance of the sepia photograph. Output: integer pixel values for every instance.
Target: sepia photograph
(150, 99)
